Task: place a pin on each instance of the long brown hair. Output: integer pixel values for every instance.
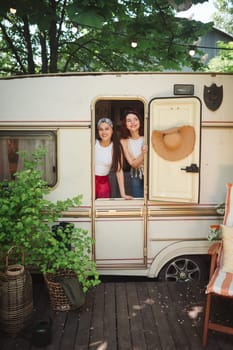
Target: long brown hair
(124, 131)
(117, 154)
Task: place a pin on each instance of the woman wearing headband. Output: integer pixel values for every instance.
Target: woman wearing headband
(108, 157)
(134, 150)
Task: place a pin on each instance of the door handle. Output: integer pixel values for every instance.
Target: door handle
(193, 168)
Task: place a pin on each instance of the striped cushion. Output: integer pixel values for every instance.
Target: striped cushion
(221, 283)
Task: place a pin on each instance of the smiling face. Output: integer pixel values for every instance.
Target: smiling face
(132, 122)
(105, 132)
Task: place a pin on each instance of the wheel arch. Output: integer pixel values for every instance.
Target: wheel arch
(174, 250)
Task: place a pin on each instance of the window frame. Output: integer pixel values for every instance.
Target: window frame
(23, 134)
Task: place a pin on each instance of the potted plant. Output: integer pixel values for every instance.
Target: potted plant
(27, 220)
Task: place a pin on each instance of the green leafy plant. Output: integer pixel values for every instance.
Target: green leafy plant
(214, 232)
(27, 219)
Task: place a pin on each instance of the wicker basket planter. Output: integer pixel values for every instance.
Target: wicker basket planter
(16, 301)
(58, 299)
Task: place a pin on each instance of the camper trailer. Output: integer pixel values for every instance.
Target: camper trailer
(164, 233)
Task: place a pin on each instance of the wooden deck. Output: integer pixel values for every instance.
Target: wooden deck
(128, 314)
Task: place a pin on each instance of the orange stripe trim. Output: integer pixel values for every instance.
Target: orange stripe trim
(228, 200)
(226, 284)
(212, 281)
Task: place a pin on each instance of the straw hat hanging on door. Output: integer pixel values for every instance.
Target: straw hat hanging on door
(175, 143)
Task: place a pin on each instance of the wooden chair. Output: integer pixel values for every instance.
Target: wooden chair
(220, 282)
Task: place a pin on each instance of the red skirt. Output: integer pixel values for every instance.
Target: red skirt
(102, 187)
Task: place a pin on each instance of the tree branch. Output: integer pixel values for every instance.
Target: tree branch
(59, 32)
(85, 48)
(12, 48)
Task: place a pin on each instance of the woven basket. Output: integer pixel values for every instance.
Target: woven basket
(58, 299)
(16, 302)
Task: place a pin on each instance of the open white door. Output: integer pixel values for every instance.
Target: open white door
(170, 179)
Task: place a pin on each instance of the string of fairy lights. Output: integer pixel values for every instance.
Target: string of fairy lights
(134, 43)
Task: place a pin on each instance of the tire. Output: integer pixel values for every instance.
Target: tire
(184, 269)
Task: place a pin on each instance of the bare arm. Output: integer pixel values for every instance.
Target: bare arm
(133, 162)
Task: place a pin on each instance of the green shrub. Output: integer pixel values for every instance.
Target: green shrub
(27, 219)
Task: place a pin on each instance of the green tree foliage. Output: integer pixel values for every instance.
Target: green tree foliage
(39, 37)
(223, 62)
(223, 17)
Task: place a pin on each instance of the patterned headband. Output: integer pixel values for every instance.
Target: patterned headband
(104, 120)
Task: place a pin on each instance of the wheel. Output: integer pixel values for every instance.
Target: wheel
(184, 269)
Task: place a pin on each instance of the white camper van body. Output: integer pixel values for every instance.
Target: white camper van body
(139, 236)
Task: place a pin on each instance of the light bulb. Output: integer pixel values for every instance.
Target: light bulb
(74, 29)
(134, 44)
(13, 10)
(192, 52)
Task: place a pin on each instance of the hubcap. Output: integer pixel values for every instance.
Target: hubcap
(183, 269)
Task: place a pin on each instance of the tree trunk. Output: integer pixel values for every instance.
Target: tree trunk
(44, 58)
(27, 37)
(53, 44)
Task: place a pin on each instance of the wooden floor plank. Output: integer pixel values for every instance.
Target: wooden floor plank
(136, 326)
(192, 313)
(110, 330)
(161, 320)
(70, 330)
(59, 320)
(148, 321)
(129, 315)
(215, 340)
(221, 311)
(41, 310)
(123, 327)
(175, 319)
(186, 322)
(97, 326)
(14, 344)
(197, 296)
(85, 318)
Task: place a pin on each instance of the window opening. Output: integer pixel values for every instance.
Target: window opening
(115, 111)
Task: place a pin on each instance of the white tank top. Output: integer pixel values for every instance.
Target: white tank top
(135, 146)
(103, 159)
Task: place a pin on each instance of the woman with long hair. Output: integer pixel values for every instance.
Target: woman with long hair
(134, 149)
(108, 157)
